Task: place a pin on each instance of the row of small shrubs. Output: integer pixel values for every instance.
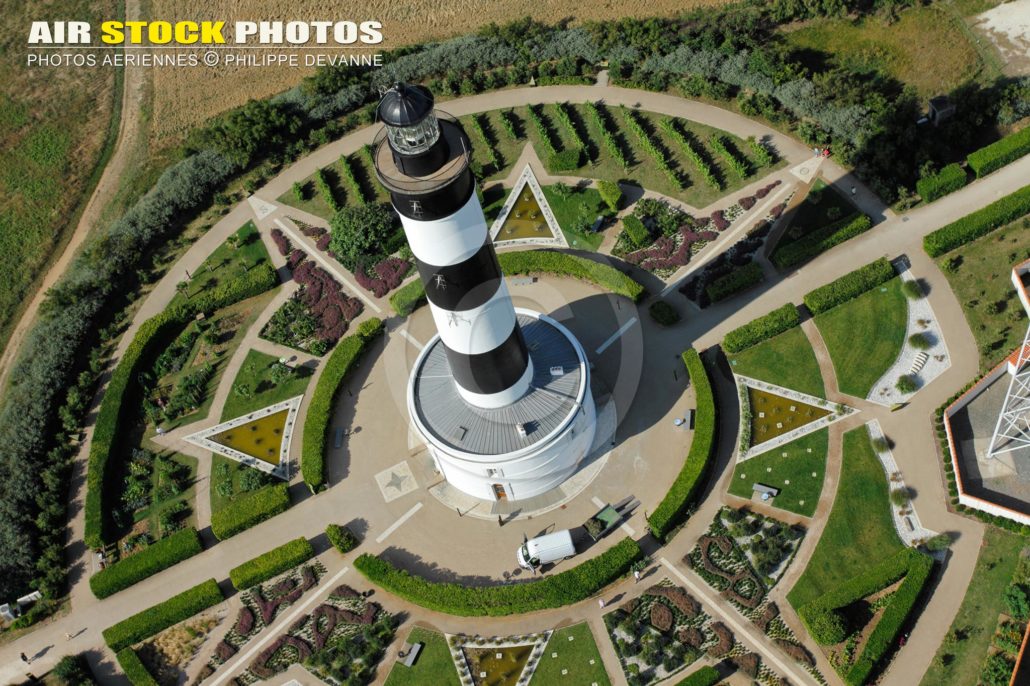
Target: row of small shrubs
(565, 588)
(820, 240)
(998, 154)
(849, 286)
(947, 180)
(250, 509)
(316, 423)
(979, 223)
(408, 298)
(761, 329)
(824, 622)
(341, 537)
(736, 281)
(638, 234)
(145, 624)
(670, 512)
(135, 671)
(274, 562)
(566, 160)
(706, 676)
(151, 560)
(113, 408)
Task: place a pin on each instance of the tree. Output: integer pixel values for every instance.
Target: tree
(563, 190)
(611, 194)
(938, 543)
(900, 497)
(361, 234)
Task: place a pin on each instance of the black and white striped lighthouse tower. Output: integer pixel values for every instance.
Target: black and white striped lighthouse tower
(425, 168)
(501, 396)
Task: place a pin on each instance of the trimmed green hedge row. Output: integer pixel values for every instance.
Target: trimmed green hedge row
(979, 223)
(250, 509)
(342, 538)
(761, 329)
(135, 671)
(274, 562)
(114, 406)
(566, 160)
(316, 423)
(706, 676)
(145, 624)
(947, 180)
(636, 232)
(565, 588)
(736, 281)
(823, 621)
(154, 558)
(821, 240)
(407, 299)
(849, 286)
(998, 154)
(670, 512)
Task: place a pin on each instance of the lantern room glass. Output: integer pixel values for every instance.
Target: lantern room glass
(411, 140)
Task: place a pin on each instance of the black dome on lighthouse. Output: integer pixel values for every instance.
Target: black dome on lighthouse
(405, 105)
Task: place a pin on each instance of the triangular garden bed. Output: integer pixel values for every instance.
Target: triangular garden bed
(526, 218)
(506, 661)
(260, 439)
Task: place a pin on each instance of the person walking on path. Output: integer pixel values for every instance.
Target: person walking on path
(26, 660)
(636, 575)
(600, 603)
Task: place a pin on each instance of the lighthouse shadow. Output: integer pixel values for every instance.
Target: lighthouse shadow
(342, 426)
(417, 566)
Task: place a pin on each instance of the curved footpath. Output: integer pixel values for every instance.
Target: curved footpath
(916, 454)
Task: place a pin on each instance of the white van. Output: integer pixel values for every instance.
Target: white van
(546, 549)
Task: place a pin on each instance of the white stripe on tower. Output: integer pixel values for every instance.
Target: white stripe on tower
(480, 329)
(450, 240)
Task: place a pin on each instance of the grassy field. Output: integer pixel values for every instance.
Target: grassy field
(926, 47)
(226, 263)
(254, 373)
(799, 475)
(576, 651)
(865, 335)
(960, 657)
(433, 666)
(57, 124)
(583, 203)
(786, 360)
(859, 532)
(982, 282)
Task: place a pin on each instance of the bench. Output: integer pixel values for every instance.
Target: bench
(409, 653)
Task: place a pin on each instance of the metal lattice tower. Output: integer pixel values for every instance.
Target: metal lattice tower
(1012, 431)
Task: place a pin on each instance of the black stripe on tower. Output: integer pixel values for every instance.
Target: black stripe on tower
(465, 285)
(493, 371)
(437, 204)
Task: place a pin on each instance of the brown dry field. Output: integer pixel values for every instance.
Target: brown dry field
(185, 97)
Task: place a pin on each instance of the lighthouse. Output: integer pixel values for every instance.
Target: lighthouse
(501, 395)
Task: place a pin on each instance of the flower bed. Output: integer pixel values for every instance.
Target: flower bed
(384, 276)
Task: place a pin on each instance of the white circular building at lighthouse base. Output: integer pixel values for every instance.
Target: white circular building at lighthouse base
(523, 449)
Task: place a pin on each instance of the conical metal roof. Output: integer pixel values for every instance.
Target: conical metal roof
(405, 105)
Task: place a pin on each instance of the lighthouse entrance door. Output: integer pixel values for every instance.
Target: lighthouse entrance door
(499, 492)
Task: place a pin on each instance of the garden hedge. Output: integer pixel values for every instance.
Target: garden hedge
(998, 154)
(135, 671)
(151, 560)
(738, 280)
(824, 623)
(566, 160)
(564, 588)
(250, 509)
(145, 624)
(638, 234)
(765, 327)
(407, 299)
(947, 180)
(706, 676)
(670, 512)
(316, 423)
(342, 538)
(820, 240)
(979, 223)
(274, 562)
(849, 286)
(116, 403)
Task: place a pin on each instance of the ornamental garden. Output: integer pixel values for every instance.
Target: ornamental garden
(764, 426)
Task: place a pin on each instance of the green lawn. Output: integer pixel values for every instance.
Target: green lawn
(433, 666)
(153, 513)
(313, 201)
(981, 279)
(226, 263)
(864, 336)
(574, 655)
(254, 373)
(241, 480)
(960, 657)
(799, 475)
(584, 205)
(786, 360)
(823, 205)
(859, 532)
